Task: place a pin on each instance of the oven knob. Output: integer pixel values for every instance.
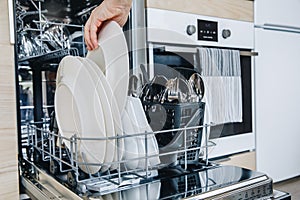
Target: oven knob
(226, 33)
(190, 29)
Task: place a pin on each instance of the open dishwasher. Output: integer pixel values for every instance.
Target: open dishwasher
(55, 166)
(52, 165)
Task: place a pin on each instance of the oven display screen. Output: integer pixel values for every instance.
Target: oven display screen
(207, 30)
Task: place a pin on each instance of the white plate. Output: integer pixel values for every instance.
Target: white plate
(130, 143)
(150, 191)
(112, 58)
(65, 104)
(107, 111)
(68, 69)
(131, 194)
(67, 114)
(144, 127)
(118, 128)
(130, 109)
(90, 111)
(66, 108)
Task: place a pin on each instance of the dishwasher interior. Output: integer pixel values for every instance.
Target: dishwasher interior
(51, 165)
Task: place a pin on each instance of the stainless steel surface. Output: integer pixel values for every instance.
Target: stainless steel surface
(281, 195)
(43, 186)
(248, 53)
(197, 85)
(178, 89)
(32, 190)
(178, 48)
(137, 42)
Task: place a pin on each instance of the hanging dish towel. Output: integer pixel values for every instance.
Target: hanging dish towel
(221, 73)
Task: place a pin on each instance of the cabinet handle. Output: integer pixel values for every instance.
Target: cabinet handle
(11, 21)
(279, 27)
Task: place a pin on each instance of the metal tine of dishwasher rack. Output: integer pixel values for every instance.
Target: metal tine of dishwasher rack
(185, 150)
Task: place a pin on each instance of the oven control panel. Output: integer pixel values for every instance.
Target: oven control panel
(207, 30)
(179, 28)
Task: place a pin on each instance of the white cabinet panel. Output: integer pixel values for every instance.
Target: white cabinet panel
(277, 86)
(282, 12)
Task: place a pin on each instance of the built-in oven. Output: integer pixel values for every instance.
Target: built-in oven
(178, 41)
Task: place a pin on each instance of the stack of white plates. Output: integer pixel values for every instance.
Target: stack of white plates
(90, 96)
(79, 111)
(90, 101)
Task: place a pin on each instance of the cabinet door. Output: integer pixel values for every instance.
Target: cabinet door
(277, 12)
(277, 87)
(9, 186)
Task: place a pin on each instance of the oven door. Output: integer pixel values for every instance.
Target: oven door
(230, 138)
(173, 39)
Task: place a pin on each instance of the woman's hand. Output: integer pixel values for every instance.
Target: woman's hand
(117, 10)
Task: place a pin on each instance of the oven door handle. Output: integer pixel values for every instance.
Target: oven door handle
(179, 49)
(248, 53)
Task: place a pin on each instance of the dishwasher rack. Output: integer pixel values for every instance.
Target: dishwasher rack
(44, 148)
(44, 38)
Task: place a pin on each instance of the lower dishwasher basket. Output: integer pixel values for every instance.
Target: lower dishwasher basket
(44, 150)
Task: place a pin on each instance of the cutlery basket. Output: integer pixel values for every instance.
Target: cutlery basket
(169, 116)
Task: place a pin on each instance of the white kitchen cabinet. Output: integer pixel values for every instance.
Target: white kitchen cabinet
(277, 86)
(277, 12)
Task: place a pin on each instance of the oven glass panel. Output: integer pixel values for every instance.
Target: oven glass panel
(245, 126)
(184, 63)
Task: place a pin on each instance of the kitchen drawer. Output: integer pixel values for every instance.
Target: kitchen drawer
(245, 160)
(231, 9)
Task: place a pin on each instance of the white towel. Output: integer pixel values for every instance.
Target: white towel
(221, 73)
